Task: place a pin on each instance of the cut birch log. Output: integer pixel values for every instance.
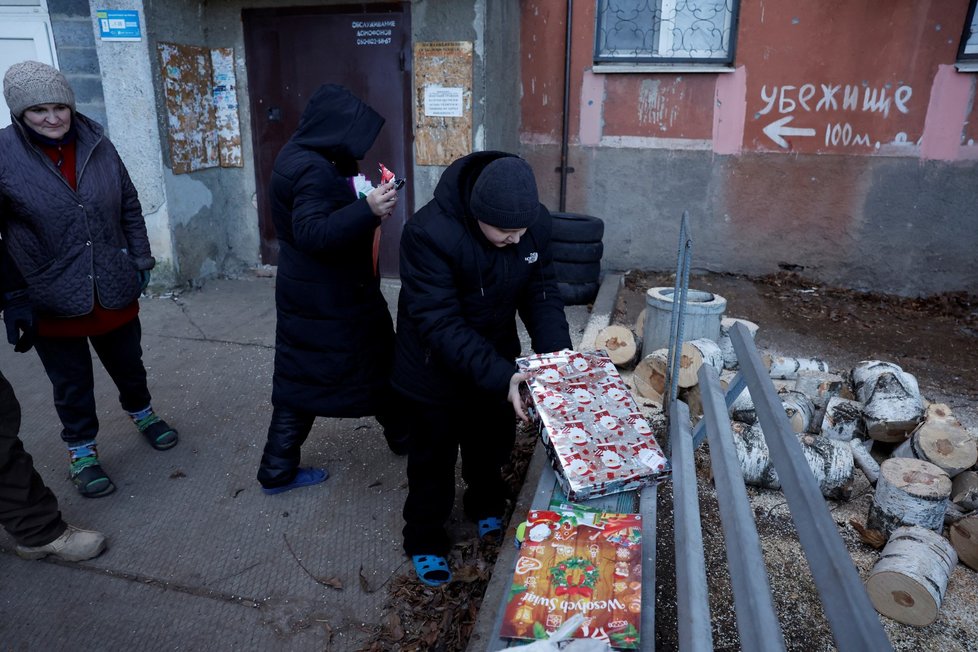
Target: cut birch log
(799, 408)
(866, 462)
(694, 354)
(819, 386)
(742, 408)
(830, 461)
(964, 538)
(941, 440)
(909, 492)
(909, 581)
(725, 343)
(620, 344)
(649, 375)
(789, 368)
(964, 490)
(754, 457)
(892, 406)
(843, 419)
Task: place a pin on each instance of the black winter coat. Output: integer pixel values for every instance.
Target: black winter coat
(334, 338)
(67, 243)
(460, 294)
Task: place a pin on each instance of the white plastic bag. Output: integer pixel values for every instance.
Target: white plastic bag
(563, 633)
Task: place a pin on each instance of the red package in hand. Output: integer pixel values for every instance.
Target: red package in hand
(385, 174)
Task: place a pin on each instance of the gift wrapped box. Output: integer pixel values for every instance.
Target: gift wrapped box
(597, 439)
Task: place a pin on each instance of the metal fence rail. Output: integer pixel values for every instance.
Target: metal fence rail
(855, 625)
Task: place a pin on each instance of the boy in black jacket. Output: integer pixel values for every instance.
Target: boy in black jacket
(471, 259)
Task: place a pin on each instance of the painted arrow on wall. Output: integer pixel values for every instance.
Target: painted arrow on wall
(777, 129)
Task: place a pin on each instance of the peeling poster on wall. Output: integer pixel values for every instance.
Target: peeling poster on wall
(443, 113)
(202, 109)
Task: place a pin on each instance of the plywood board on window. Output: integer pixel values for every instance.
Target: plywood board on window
(201, 105)
(443, 101)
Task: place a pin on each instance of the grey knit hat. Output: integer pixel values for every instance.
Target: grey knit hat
(30, 83)
(505, 194)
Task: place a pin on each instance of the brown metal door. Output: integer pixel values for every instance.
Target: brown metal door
(291, 52)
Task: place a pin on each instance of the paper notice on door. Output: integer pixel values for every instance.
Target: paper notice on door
(442, 102)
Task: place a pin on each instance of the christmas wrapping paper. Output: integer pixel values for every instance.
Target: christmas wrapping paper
(598, 441)
(578, 562)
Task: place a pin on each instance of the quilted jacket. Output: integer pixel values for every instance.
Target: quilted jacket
(66, 246)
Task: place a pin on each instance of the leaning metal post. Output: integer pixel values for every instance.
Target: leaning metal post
(677, 320)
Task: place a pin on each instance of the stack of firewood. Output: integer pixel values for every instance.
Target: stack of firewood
(917, 455)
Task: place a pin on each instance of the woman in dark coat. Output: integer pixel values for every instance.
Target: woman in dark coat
(74, 259)
(334, 338)
(471, 259)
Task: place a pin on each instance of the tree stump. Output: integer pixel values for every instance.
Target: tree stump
(941, 439)
(620, 343)
(726, 345)
(964, 490)
(908, 582)
(909, 492)
(964, 538)
(830, 461)
(892, 406)
(788, 368)
(843, 419)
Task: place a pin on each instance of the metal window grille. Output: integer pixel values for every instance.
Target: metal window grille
(665, 31)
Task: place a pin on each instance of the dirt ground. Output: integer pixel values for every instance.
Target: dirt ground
(935, 339)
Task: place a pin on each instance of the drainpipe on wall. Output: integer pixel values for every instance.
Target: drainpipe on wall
(564, 138)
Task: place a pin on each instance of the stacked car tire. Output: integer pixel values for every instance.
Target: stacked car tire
(577, 250)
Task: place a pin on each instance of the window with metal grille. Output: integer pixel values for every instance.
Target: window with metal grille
(968, 50)
(666, 31)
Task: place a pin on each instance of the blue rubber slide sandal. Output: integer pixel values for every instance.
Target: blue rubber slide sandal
(490, 526)
(432, 569)
(305, 477)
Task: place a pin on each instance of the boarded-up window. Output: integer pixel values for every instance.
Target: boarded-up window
(201, 106)
(443, 113)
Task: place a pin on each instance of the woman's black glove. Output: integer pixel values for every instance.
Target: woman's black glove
(18, 316)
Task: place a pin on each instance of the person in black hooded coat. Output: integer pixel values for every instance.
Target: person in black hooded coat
(334, 337)
(471, 259)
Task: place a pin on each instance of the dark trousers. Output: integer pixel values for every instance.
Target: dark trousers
(68, 363)
(286, 434)
(484, 431)
(28, 509)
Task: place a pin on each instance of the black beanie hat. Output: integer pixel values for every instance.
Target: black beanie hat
(505, 194)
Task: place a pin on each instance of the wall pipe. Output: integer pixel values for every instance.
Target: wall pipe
(564, 137)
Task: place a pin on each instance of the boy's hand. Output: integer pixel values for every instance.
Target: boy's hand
(514, 396)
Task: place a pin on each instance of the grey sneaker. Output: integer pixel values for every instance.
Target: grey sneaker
(75, 544)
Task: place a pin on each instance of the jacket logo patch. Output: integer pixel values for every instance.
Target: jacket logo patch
(532, 258)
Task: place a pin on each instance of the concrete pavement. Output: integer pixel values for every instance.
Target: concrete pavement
(198, 556)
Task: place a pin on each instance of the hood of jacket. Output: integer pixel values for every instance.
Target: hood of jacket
(336, 120)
